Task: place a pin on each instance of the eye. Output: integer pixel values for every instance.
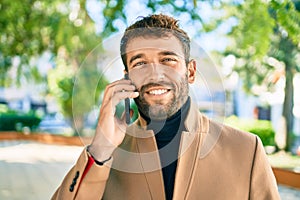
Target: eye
(169, 59)
(140, 63)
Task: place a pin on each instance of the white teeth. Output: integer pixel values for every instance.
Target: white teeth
(158, 92)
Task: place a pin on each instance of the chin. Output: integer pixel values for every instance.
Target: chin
(156, 110)
(159, 112)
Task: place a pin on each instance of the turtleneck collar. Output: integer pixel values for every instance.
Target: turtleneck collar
(165, 130)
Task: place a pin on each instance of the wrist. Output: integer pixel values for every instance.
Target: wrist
(97, 161)
(100, 154)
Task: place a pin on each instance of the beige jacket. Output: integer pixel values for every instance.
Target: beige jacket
(215, 162)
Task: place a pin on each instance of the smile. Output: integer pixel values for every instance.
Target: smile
(158, 91)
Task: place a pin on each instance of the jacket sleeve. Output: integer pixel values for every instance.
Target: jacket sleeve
(263, 183)
(83, 182)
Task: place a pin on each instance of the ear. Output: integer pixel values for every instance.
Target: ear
(192, 71)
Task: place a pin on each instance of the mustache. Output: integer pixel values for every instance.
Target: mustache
(157, 84)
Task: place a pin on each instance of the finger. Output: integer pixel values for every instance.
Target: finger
(119, 96)
(111, 90)
(123, 87)
(116, 99)
(121, 81)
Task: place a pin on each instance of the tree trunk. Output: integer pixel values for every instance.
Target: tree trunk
(288, 105)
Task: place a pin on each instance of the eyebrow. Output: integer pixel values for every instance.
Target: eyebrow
(168, 53)
(135, 57)
(164, 53)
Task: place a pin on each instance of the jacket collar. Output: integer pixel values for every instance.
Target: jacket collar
(196, 125)
(190, 123)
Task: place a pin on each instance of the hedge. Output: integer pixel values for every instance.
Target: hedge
(12, 121)
(261, 128)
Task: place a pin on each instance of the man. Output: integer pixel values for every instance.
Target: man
(172, 151)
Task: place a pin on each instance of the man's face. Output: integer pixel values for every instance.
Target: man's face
(158, 69)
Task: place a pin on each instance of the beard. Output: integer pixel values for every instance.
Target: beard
(160, 110)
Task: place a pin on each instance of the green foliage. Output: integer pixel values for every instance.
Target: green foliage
(288, 17)
(266, 46)
(117, 10)
(11, 120)
(266, 30)
(60, 27)
(113, 10)
(29, 28)
(253, 32)
(261, 128)
(251, 40)
(77, 92)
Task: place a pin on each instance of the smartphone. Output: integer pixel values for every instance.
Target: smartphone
(127, 104)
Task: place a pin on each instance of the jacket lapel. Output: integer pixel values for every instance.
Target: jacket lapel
(189, 153)
(189, 150)
(150, 162)
(186, 163)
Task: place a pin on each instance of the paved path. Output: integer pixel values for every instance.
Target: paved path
(30, 170)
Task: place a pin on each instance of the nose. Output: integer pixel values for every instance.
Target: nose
(156, 72)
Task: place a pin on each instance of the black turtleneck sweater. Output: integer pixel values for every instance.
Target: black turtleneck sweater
(168, 134)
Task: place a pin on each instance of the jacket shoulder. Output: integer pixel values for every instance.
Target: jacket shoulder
(222, 137)
(231, 133)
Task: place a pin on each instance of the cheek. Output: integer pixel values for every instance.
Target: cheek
(176, 77)
(147, 75)
(137, 77)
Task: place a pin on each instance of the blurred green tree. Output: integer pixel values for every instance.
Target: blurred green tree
(31, 27)
(265, 43)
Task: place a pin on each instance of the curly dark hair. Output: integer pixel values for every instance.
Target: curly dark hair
(155, 26)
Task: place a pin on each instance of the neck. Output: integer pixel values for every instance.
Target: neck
(176, 119)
